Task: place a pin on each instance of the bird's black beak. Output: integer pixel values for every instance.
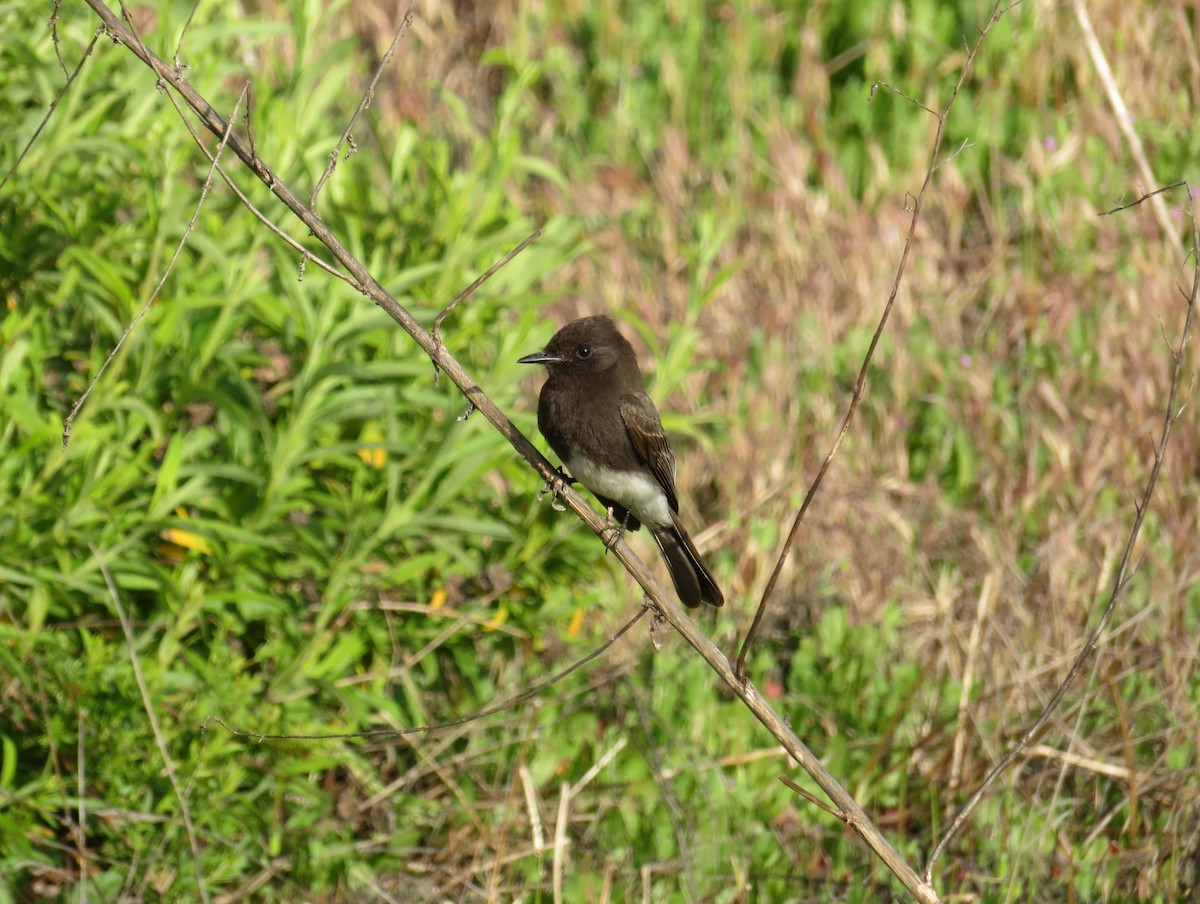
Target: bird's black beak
(541, 358)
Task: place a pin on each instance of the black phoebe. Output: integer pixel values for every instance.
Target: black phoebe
(596, 415)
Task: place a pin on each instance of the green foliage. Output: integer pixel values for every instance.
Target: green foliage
(310, 539)
(259, 459)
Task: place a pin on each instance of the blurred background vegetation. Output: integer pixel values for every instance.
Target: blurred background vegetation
(308, 539)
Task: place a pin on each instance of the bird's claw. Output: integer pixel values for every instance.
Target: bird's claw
(659, 626)
(612, 534)
(554, 486)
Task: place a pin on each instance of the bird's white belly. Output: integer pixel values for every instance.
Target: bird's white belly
(636, 490)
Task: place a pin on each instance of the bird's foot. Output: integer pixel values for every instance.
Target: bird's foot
(612, 534)
(554, 486)
(659, 626)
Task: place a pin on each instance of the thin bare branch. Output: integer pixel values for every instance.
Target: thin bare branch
(437, 323)
(66, 433)
(912, 100)
(812, 798)
(133, 31)
(966, 145)
(365, 102)
(52, 24)
(183, 34)
(305, 254)
(1142, 199)
(54, 103)
(860, 385)
(1120, 580)
(465, 293)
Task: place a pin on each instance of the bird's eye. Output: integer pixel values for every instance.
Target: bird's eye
(583, 352)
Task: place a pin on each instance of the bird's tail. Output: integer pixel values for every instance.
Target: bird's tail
(693, 582)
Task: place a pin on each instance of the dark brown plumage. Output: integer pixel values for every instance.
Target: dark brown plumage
(594, 412)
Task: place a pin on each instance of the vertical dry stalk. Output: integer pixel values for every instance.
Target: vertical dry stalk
(960, 736)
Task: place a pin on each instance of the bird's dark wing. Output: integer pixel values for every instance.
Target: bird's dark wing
(650, 441)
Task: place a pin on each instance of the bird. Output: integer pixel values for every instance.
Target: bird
(594, 412)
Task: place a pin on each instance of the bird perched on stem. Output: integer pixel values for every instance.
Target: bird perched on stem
(594, 412)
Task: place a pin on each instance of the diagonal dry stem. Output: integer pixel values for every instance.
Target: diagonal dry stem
(860, 385)
(1122, 577)
(57, 98)
(466, 293)
(1123, 116)
(305, 254)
